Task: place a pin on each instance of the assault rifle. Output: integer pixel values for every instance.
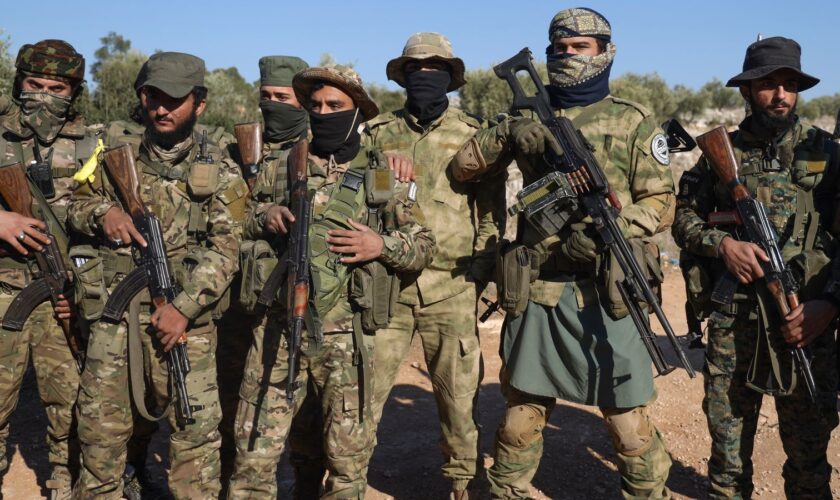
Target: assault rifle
(53, 278)
(751, 220)
(296, 267)
(152, 272)
(249, 143)
(576, 182)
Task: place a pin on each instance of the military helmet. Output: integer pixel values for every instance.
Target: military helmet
(427, 46)
(51, 58)
(340, 76)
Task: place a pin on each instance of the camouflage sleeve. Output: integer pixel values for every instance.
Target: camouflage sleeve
(88, 204)
(487, 153)
(651, 184)
(491, 219)
(408, 244)
(694, 203)
(261, 199)
(220, 261)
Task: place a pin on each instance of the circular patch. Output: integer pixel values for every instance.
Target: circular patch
(659, 148)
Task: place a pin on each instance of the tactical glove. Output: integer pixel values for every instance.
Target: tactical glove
(531, 136)
(579, 247)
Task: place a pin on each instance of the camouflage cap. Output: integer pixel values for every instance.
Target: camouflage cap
(173, 73)
(340, 76)
(51, 58)
(427, 46)
(579, 21)
(278, 71)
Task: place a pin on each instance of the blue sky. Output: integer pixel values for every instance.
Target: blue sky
(685, 42)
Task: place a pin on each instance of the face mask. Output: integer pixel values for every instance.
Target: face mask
(566, 70)
(44, 113)
(426, 93)
(282, 121)
(336, 134)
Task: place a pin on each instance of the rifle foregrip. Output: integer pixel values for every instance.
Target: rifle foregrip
(136, 281)
(33, 295)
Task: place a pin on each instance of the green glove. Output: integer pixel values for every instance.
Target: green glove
(531, 136)
(579, 247)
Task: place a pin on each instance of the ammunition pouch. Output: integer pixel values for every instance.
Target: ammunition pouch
(203, 179)
(610, 275)
(373, 294)
(546, 204)
(514, 275)
(698, 283)
(256, 260)
(90, 288)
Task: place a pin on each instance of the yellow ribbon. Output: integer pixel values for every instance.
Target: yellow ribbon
(85, 174)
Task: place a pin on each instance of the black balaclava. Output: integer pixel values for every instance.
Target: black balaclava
(283, 121)
(336, 134)
(426, 93)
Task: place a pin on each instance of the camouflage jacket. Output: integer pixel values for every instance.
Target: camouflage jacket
(459, 214)
(781, 174)
(625, 137)
(209, 248)
(271, 187)
(408, 245)
(73, 146)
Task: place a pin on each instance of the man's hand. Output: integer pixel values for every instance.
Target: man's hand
(402, 166)
(13, 225)
(808, 321)
(62, 308)
(119, 228)
(170, 324)
(362, 244)
(531, 136)
(579, 247)
(278, 219)
(741, 259)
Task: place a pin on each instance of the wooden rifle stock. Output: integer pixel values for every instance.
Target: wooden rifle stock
(249, 142)
(718, 150)
(123, 174)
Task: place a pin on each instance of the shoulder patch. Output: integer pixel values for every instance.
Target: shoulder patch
(659, 149)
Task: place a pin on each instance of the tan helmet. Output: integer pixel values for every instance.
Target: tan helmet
(432, 46)
(340, 76)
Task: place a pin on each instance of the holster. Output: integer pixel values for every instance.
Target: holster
(373, 293)
(514, 275)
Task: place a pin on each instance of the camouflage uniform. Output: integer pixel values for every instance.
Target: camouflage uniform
(57, 375)
(201, 236)
(566, 344)
(780, 181)
(439, 304)
(334, 368)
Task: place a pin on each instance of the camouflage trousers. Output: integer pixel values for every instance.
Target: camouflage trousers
(331, 373)
(306, 452)
(519, 447)
(58, 385)
(452, 351)
(732, 412)
(106, 413)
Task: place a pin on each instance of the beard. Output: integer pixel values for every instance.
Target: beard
(168, 139)
(767, 120)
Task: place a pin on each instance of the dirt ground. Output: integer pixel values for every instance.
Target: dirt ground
(578, 460)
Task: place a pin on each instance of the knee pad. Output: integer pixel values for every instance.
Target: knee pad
(522, 426)
(630, 430)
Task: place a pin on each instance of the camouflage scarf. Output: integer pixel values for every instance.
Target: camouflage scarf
(170, 156)
(567, 70)
(44, 113)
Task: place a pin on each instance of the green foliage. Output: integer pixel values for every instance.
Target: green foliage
(716, 95)
(230, 99)
(114, 98)
(7, 64)
(113, 44)
(827, 105)
(386, 99)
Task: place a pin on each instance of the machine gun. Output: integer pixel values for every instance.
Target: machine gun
(152, 272)
(53, 279)
(576, 182)
(751, 220)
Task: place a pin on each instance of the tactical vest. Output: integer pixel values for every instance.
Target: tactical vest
(83, 149)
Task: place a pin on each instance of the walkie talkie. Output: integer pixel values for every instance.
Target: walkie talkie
(41, 173)
(202, 156)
